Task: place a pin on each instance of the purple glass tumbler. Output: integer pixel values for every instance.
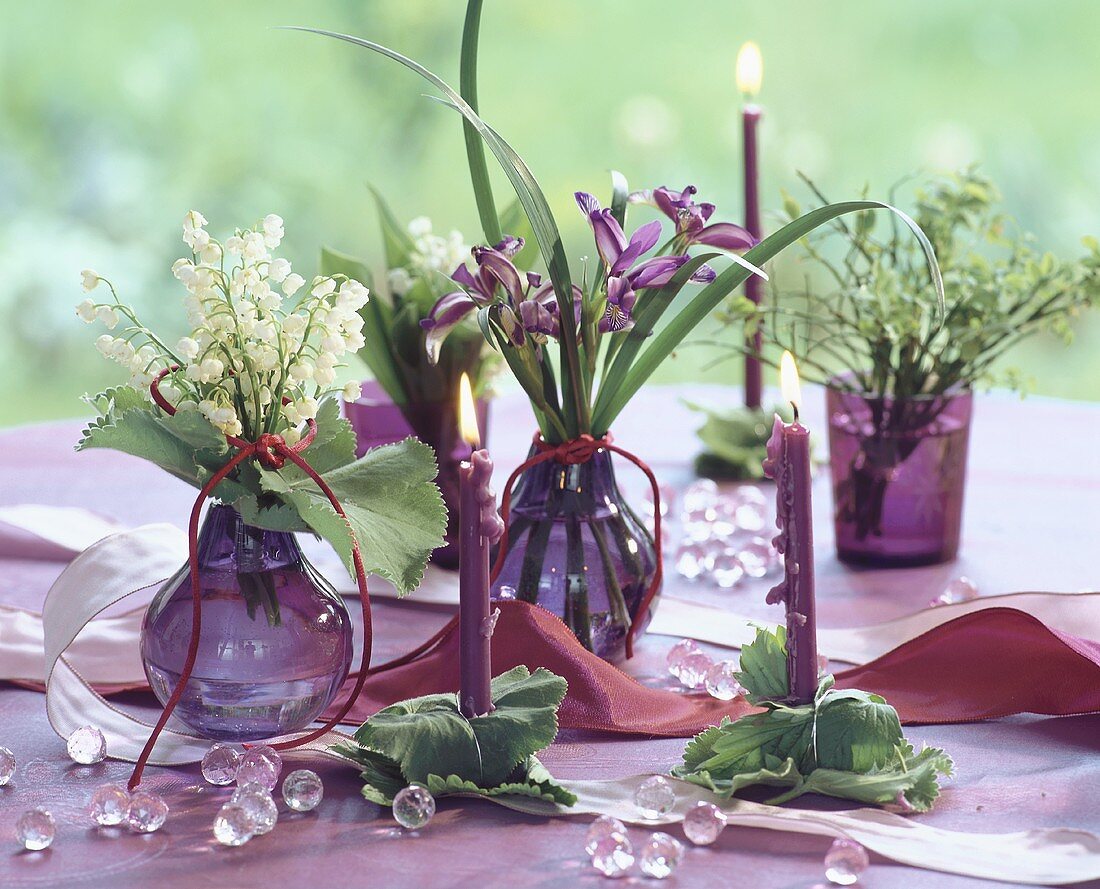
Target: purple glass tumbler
(275, 643)
(576, 549)
(899, 474)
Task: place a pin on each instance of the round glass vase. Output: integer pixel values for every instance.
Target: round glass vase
(576, 549)
(275, 643)
(899, 473)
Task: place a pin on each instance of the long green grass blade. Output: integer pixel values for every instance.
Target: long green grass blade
(396, 241)
(475, 148)
(708, 299)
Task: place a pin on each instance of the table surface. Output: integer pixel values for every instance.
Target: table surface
(1030, 524)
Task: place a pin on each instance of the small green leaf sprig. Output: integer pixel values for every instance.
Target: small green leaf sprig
(847, 743)
(428, 741)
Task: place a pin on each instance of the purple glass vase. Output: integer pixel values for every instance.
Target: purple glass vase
(578, 550)
(899, 473)
(378, 421)
(275, 642)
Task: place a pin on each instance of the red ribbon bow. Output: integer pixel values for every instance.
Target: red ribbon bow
(272, 452)
(571, 453)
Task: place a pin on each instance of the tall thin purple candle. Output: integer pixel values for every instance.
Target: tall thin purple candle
(788, 462)
(479, 527)
(750, 70)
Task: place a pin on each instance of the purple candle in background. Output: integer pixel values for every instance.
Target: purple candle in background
(750, 71)
(479, 527)
(788, 462)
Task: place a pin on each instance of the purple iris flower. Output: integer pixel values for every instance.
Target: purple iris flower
(692, 219)
(527, 306)
(618, 315)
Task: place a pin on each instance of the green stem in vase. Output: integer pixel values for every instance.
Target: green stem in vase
(616, 600)
(578, 617)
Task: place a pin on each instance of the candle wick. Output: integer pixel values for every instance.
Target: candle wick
(794, 407)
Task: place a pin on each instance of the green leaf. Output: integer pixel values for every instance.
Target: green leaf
(141, 434)
(394, 509)
(620, 191)
(707, 300)
(382, 776)
(396, 241)
(475, 148)
(513, 221)
(914, 777)
(784, 774)
(533, 781)
(856, 731)
(763, 669)
(333, 446)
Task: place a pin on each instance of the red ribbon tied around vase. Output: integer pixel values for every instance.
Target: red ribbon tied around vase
(572, 453)
(272, 452)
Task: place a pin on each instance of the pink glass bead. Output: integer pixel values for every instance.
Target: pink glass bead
(721, 681)
(676, 654)
(693, 669)
(845, 861)
(600, 829)
(961, 589)
(704, 823)
(661, 855)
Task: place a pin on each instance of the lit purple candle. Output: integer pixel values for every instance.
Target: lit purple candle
(479, 526)
(788, 462)
(750, 72)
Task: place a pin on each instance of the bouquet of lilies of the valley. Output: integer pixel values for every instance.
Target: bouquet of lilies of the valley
(606, 324)
(263, 360)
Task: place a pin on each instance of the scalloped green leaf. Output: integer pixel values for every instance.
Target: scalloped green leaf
(763, 667)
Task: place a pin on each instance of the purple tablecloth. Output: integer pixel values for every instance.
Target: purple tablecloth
(1031, 524)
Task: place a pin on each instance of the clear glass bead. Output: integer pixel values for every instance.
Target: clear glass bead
(87, 745)
(700, 494)
(668, 499)
(257, 802)
(751, 517)
(613, 854)
(219, 765)
(260, 765)
(303, 790)
(110, 805)
(758, 557)
(724, 525)
(750, 495)
(506, 592)
(36, 829)
(602, 827)
(961, 589)
(691, 559)
(148, 812)
(721, 681)
(704, 823)
(413, 806)
(677, 653)
(7, 765)
(654, 797)
(726, 569)
(233, 825)
(693, 669)
(698, 527)
(661, 855)
(845, 861)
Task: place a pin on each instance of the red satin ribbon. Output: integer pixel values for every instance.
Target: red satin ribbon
(571, 453)
(271, 451)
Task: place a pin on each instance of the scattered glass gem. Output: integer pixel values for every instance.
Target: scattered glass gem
(693, 669)
(35, 829)
(257, 802)
(961, 589)
(260, 765)
(233, 826)
(750, 517)
(701, 494)
(697, 527)
(750, 495)
(110, 805)
(668, 498)
(721, 682)
(704, 823)
(661, 855)
(654, 797)
(7, 765)
(87, 746)
(677, 653)
(219, 765)
(726, 569)
(691, 559)
(613, 855)
(148, 812)
(506, 592)
(725, 521)
(757, 557)
(303, 790)
(602, 827)
(413, 806)
(845, 861)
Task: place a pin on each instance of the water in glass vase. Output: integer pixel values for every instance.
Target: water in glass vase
(275, 642)
(576, 549)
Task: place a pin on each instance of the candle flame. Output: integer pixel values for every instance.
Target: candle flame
(750, 69)
(467, 413)
(788, 382)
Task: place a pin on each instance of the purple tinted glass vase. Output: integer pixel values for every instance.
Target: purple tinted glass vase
(899, 472)
(578, 550)
(378, 421)
(275, 643)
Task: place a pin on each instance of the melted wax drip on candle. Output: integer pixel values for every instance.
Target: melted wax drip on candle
(492, 525)
(773, 465)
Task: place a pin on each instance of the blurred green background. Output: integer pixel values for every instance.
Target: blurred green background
(118, 117)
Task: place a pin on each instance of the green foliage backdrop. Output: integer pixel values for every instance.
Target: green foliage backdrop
(116, 118)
